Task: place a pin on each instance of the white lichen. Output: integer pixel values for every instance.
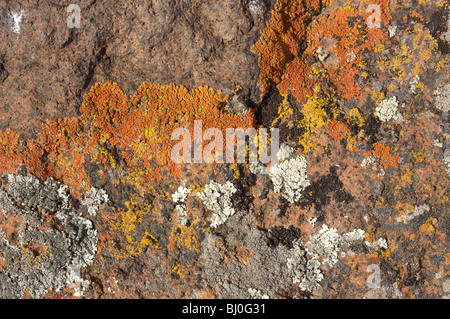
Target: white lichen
(438, 143)
(410, 215)
(217, 197)
(367, 161)
(73, 243)
(326, 244)
(312, 221)
(351, 56)
(93, 199)
(442, 96)
(256, 168)
(321, 54)
(388, 110)
(381, 243)
(257, 294)
(256, 7)
(392, 30)
(180, 197)
(285, 152)
(413, 84)
(350, 237)
(181, 194)
(289, 175)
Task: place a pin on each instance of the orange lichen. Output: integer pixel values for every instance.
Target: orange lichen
(280, 40)
(296, 80)
(347, 28)
(129, 139)
(337, 130)
(283, 54)
(10, 151)
(384, 156)
(132, 136)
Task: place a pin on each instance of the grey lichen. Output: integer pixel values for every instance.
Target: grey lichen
(93, 199)
(256, 168)
(442, 95)
(264, 274)
(326, 244)
(446, 160)
(74, 244)
(322, 249)
(297, 263)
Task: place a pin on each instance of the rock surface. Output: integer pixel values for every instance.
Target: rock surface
(46, 67)
(355, 205)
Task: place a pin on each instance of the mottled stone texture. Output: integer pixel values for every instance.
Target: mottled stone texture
(357, 205)
(46, 67)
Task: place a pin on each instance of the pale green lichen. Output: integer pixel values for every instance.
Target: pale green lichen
(75, 244)
(217, 198)
(290, 175)
(442, 95)
(180, 197)
(388, 110)
(323, 248)
(326, 244)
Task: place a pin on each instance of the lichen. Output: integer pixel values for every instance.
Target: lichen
(381, 243)
(217, 197)
(383, 155)
(388, 110)
(297, 263)
(442, 95)
(257, 294)
(326, 244)
(15, 20)
(75, 244)
(290, 175)
(93, 199)
(280, 41)
(180, 197)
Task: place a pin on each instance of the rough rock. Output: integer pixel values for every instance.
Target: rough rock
(355, 206)
(46, 67)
